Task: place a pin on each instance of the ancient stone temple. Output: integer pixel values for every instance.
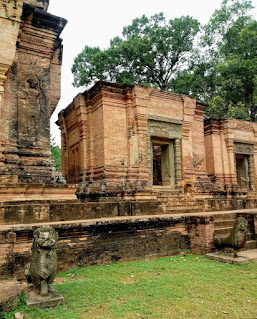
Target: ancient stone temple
(133, 138)
(30, 66)
(121, 139)
(153, 178)
(231, 153)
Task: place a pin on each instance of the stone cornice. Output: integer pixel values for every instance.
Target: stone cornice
(42, 19)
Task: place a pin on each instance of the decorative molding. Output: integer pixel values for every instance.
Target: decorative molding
(164, 119)
(244, 142)
(166, 95)
(242, 148)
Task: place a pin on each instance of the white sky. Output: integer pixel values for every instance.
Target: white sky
(94, 23)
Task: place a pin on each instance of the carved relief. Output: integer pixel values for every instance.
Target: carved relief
(241, 148)
(164, 129)
(197, 160)
(32, 110)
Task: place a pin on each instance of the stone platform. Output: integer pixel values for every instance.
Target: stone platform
(92, 241)
(244, 257)
(36, 301)
(38, 192)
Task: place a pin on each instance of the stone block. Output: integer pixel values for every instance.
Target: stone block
(229, 259)
(10, 293)
(36, 301)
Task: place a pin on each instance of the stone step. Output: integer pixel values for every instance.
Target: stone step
(183, 210)
(176, 197)
(224, 216)
(224, 223)
(181, 203)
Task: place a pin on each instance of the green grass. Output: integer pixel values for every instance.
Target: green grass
(175, 287)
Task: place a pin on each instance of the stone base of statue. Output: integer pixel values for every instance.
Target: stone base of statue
(53, 299)
(244, 257)
(228, 258)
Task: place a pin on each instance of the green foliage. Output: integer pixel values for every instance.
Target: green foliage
(56, 154)
(151, 51)
(224, 71)
(221, 69)
(220, 109)
(178, 287)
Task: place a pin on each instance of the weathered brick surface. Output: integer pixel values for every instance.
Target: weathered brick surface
(224, 139)
(12, 213)
(201, 230)
(30, 63)
(99, 242)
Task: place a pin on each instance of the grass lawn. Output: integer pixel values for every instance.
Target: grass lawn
(187, 286)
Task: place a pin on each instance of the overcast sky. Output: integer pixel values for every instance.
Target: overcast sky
(94, 23)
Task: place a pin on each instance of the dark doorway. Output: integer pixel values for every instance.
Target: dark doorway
(242, 168)
(157, 165)
(163, 169)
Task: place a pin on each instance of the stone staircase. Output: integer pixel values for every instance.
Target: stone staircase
(224, 224)
(177, 203)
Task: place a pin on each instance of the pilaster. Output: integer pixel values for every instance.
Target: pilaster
(178, 163)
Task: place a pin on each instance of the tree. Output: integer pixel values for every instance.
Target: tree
(151, 51)
(56, 154)
(238, 70)
(223, 73)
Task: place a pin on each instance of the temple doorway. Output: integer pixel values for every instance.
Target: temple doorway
(242, 168)
(163, 171)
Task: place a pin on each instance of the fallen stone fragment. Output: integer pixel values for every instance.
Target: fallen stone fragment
(10, 293)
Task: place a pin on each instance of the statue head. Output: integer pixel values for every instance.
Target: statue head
(241, 224)
(45, 237)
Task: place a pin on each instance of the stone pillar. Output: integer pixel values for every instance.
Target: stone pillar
(3, 70)
(178, 166)
(231, 161)
(201, 232)
(251, 173)
(140, 98)
(80, 106)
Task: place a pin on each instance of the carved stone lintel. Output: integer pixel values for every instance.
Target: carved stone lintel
(242, 148)
(164, 129)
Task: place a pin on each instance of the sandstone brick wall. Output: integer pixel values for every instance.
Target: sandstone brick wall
(96, 243)
(15, 213)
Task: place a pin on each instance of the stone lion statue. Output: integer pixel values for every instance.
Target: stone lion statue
(236, 239)
(43, 263)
